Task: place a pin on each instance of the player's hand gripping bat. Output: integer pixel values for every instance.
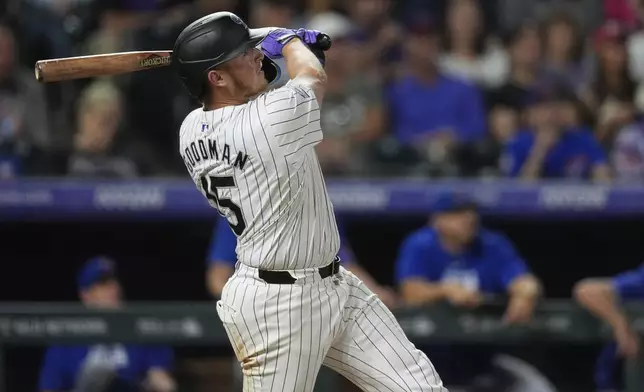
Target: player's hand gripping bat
(70, 68)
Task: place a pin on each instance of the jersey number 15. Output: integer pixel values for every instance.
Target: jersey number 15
(211, 186)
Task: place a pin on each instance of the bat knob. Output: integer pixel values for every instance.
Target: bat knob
(324, 41)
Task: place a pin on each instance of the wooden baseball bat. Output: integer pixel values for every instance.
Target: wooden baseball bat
(56, 70)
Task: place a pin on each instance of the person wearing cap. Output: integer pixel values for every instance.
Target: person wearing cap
(222, 258)
(428, 109)
(555, 145)
(104, 367)
(456, 260)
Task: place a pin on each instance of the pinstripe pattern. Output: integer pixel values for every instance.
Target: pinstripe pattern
(337, 322)
(255, 163)
(279, 188)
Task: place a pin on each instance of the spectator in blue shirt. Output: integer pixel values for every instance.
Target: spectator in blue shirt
(456, 260)
(105, 366)
(603, 297)
(555, 145)
(428, 108)
(222, 258)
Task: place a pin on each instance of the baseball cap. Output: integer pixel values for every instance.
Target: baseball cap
(335, 25)
(95, 270)
(453, 202)
(611, 31)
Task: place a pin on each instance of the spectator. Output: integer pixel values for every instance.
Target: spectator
(222, 259)
(102, 367)
(24, 133)
(377, 34)
(483, 158)
(612, 91)
(602, 297)
(268, 13)
(563, 51)
(352, 113)
(627, 155)
(100, 149)
(469, 52)
(554, 145)
(524, 57)
(456, 260)
(428, 109)
(635, 43)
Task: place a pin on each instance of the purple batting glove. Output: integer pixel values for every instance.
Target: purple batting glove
(309, 37)
(274, 42)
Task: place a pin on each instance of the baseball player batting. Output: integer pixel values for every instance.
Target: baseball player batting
(289, 306)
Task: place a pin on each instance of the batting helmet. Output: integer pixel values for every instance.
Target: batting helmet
(209, 42)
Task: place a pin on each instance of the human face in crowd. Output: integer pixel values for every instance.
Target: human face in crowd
(526, 48)
(369, 12)
(464, 19)
(612, 55)
(422, 49)
(458, 226)
(560, 37)
(105, 293)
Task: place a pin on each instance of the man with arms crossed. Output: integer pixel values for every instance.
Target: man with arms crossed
(289, 307)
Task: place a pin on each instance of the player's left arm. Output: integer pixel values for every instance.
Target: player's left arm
(523, 288)
(159, 379)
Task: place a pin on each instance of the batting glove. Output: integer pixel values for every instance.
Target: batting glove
(317, 41)
(275, 41)
(309, 37)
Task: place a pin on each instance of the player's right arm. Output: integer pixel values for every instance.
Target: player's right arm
(221, 258)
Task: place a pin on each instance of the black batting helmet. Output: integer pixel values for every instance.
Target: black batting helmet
(209, 42)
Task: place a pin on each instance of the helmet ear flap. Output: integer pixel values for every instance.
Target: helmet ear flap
(271, 70)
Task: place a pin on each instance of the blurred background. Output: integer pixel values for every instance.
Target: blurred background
(537, 96)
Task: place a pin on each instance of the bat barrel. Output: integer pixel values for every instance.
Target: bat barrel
(70, 68)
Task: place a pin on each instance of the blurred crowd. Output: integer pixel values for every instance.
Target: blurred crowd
(445, 88)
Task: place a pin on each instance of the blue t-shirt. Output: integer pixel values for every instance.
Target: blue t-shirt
(489, 265)
(418, 109)
(574, 156)
(223, 245)
(63, 366)
(628, 285)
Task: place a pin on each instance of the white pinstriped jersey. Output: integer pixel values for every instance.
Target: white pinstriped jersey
(256, 164)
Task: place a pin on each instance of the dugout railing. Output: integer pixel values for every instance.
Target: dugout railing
(190, 324)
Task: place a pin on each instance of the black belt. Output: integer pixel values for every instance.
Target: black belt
(284, 277)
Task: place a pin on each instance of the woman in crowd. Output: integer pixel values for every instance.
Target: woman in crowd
(563, 51)
(612, 90)
(468, 51)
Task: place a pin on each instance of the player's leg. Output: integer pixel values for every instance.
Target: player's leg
(280, 333)
(373, 352)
